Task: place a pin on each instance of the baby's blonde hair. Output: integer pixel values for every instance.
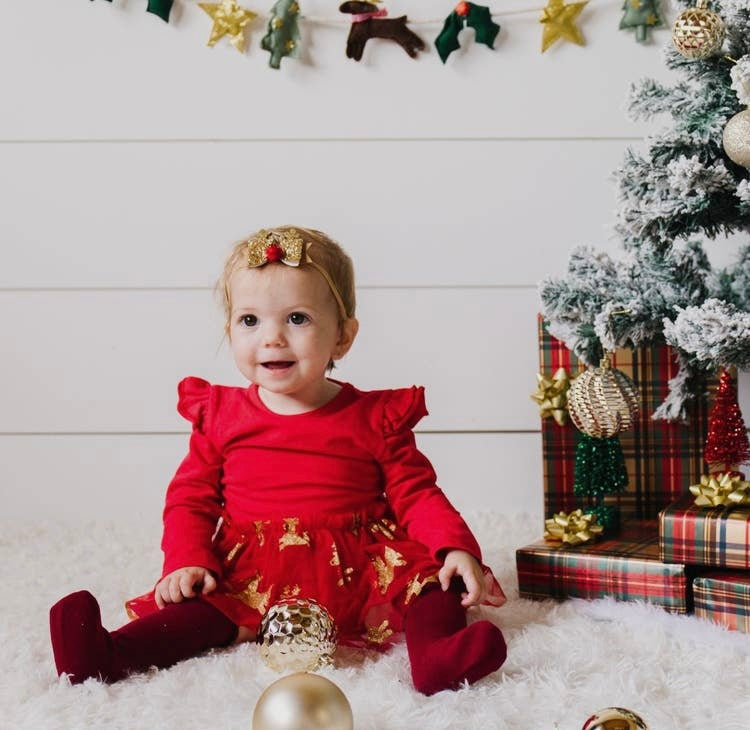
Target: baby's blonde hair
(320, 248)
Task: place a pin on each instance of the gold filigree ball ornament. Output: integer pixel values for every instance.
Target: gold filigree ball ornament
(614, 718)
(698, 32)
(297, 635)
(736, 138)
(603, 401)
(303, 701)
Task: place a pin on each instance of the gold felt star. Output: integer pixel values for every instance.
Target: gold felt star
(229, 19)
(558, 20)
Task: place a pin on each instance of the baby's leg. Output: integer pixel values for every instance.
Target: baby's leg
(83, 648)
(443, 650)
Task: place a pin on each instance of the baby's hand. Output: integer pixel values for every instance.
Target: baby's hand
(459, 562)
(183, 583)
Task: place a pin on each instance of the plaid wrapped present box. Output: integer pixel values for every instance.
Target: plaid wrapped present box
(724, 598)
(662, 458)
(626, 567)
(705, 535)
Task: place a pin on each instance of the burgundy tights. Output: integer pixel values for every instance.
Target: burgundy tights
(443, 650)
(83, 648)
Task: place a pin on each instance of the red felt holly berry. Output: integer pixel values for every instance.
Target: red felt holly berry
(462, 9)
(274, 252)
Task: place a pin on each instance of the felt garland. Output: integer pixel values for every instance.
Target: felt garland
(466, 15)
(282, 38)
(158, 7)
(641, 15)
(557, 18)
(559, 23)
(229, 20)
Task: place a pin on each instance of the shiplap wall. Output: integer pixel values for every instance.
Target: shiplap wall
(132, 156)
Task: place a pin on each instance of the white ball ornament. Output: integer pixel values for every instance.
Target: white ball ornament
(303, 701)
(736, 138)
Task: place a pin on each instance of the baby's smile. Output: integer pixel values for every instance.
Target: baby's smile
(278, 364)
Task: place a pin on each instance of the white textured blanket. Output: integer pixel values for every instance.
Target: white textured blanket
(564, 660)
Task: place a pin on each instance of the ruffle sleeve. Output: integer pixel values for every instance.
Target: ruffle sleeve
(403, 409)
(192, 400)
(194, 499)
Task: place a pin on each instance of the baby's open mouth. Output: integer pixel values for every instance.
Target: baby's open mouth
(278, 364)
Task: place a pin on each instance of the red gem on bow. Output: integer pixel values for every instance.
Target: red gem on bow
(462, 9)
(274, 252)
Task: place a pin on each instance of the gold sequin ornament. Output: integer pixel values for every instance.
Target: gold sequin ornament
(297, 635)
(303, 700)
(698, 32)
(736, 138)
(603, 401)
(615, 718)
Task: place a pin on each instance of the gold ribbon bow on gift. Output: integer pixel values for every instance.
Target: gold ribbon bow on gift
(284, 246)
(552, 396)
(572, 528)
(723, 489)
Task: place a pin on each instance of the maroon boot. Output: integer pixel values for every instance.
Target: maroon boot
(83, 648)
(443, 650)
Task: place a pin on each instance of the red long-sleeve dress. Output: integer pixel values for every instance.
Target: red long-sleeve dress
(335, 505)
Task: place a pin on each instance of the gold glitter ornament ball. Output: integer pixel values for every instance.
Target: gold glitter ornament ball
(303, 701)
(614, 718)
(736, 138)
(698, 32)
(603, 401)
(297, 635)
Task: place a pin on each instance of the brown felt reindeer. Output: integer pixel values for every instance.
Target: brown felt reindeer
(368, 22)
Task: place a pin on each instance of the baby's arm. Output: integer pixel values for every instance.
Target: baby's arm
(183, 583)
(465, 565)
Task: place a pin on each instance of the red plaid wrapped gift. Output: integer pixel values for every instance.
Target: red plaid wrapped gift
(662, 458)
(626, 567)
(705, 535)
(724, 598)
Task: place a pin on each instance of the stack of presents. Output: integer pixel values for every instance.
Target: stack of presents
(666, 550)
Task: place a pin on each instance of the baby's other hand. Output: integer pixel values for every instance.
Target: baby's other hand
(183, 583)
(465, 565)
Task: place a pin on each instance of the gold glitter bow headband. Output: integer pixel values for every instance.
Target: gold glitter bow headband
(287, 247)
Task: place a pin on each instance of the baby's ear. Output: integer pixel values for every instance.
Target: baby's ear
(347, 333)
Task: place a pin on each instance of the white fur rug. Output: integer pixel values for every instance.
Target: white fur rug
(565, 660)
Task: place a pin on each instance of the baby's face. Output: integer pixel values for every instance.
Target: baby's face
(284, 330)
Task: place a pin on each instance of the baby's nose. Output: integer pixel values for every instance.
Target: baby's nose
(273, 334)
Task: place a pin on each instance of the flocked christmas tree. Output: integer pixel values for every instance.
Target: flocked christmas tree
(690, 184)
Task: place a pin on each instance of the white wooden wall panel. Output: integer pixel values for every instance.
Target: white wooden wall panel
(109, 361)
(411, 214)
(100, 477)
(131, 156)
(102, 71)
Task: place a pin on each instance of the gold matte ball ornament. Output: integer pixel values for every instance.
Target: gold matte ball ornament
(303, 701)
(736, 138)
(615, 718)
(603, 401)
(297, 635)
(698, 32)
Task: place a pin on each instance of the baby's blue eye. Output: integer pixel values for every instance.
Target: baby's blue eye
(249, 320)
(297, 318)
